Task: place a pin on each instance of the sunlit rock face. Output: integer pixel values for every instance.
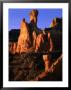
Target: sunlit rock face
(57, 22)
(33, 16)
(24, 38)
(44, 42)
(54, 23)
(29, 36)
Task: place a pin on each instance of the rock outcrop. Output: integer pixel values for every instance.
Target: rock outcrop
(56, 22)
(24, 38)
(32, 33)
(12, 47)
(30, 67)
(28, 57)
(27, 36)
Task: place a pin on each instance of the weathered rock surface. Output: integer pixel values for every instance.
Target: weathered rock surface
(25, 66)
(24, 41)
(28, 66)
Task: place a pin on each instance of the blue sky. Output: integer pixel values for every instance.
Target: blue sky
(45, 17)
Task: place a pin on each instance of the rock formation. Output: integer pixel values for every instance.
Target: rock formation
(44, 42)
(12, 47)
(24, 38)
(28, 32)
(57, 22)
(13, 38)
(33, 25)
(36, 65)
(32, 33)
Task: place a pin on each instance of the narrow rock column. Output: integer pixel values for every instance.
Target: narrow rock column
(24, 38)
